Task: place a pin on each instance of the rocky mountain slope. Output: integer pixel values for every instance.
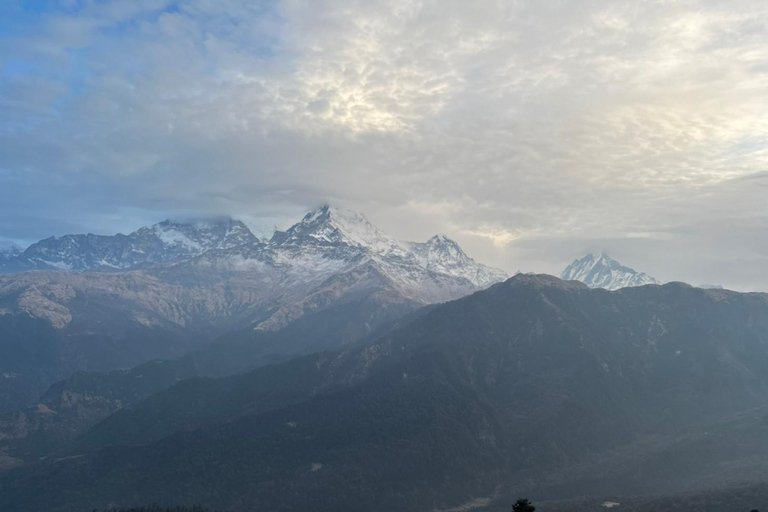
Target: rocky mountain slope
(602, 271)
(535, 386)
(197, 282)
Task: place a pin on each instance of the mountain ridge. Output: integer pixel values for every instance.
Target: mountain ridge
(163, 242)
(179, 242)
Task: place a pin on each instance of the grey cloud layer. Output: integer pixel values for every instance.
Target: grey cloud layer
(530, 131)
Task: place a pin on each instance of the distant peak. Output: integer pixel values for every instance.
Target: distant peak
(9, 248)
(599, 270)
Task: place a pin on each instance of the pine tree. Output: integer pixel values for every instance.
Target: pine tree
(523, 505)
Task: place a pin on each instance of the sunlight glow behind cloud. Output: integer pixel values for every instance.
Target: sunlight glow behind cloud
(536, 129)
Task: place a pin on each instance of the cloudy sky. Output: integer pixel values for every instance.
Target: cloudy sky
(529, 131)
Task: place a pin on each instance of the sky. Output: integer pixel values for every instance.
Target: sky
(531, 132)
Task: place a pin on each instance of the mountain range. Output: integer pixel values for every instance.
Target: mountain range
(335, 367)
(331, 233)
(98, 302)
(535, 386)
(226, 240)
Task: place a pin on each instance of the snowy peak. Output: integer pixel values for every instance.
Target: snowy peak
(443, 245)
(335, 226)
(237, 234)
(442, 255)
(440, 252)
(602, 271)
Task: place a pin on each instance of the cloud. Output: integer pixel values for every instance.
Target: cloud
(530, 131)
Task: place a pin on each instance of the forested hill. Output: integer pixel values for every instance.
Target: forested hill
(535, 386)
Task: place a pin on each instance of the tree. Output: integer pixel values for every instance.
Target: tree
(523, 505)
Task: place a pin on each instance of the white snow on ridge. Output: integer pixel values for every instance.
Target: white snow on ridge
(172, 237)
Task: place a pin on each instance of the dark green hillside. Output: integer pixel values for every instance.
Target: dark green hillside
(389, 442)
(29, 354)
(70, 407)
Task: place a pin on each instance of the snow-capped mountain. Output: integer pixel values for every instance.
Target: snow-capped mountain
(334, 226)
(171, 286)
(345, 230)
(219, 271)
(163, 242)
(334, 253)
(332, 234)
(602, 271)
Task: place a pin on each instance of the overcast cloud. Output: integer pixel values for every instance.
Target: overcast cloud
(529, 131)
